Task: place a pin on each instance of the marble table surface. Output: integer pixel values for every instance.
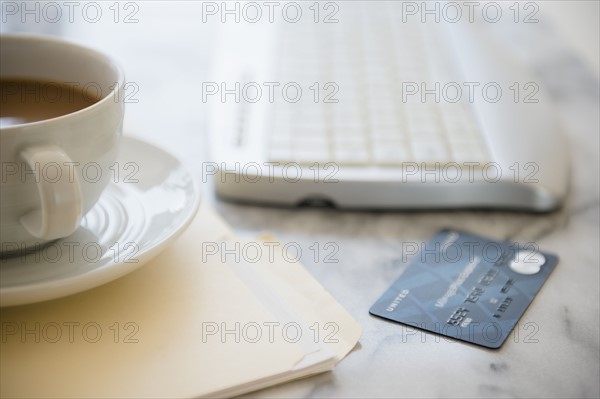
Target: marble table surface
(554, 350)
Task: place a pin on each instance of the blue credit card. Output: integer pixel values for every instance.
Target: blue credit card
(467, 287)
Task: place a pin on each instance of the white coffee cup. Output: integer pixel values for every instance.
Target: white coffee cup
(54, 170)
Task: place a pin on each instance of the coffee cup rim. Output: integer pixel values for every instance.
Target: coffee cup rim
(109, 97)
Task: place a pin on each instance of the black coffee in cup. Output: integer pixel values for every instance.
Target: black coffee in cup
(32, 100)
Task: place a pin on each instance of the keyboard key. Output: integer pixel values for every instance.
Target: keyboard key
(347, 108)
(350, 137)
(308, 156)
(466, 133)
(379, 106)
(280, 131)
(387, 133)
(351, 123)
(383, 121)
(391, 153)
(315, 131)
(310, 142)
(430, 152)
(469, 152)
(347, 154)
(308, 111)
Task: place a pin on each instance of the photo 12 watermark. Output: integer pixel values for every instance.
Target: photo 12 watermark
(269, 251)
(61, 332)
(54, 12)
(67, 92)
(64, 252)
(491, 333)
(269, 332)
(290, 92)
(71, 171)
(453, 12)
(468, 92)
(253, 12)
(255, 172)
(450, 251)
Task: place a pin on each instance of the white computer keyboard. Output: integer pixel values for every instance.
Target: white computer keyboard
(369, 65)
(360, 137)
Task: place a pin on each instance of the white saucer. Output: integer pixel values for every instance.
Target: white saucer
(131, 223)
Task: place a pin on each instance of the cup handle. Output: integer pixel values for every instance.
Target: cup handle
(60, 194)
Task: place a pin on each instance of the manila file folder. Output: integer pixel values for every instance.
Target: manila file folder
(184, 325)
